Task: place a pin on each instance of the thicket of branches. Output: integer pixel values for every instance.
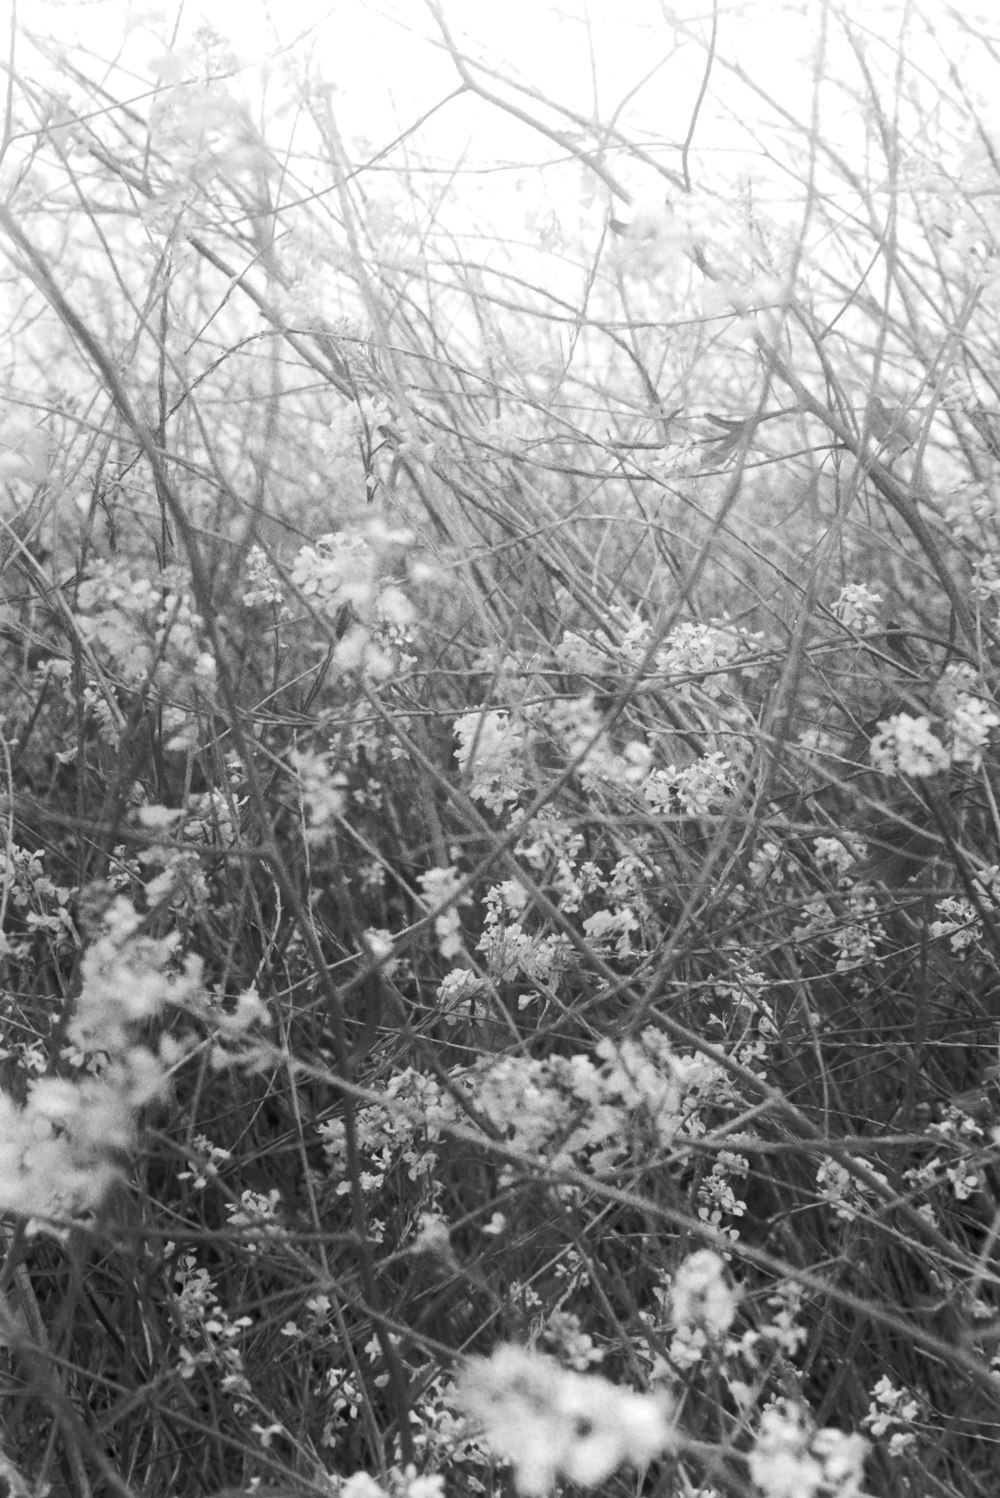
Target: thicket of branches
(500, 896)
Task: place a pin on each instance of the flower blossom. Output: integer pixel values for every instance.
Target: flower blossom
(905, 745)
(549, 1422)
(699, 1294)
(793, 1460)
(857, 608)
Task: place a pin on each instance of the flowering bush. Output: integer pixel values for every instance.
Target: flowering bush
(499, 765)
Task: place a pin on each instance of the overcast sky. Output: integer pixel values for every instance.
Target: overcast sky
(638, 63)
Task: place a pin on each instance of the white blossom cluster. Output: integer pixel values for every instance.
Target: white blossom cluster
(322, 793)
(565, 1112)
(696, 790)
(439, 887)
(492, 756)
(343, 579)
(960, 919)
(65, 1146)
(791, 1459)
(857, 608)
(705, 650)
(143, 627)
(510, 951)
(550, 1422)
(405, 1484)
(908, 744)
(265, 587)
(849, 1197)
(702, 1306)
(892, 1412)
(61, 1151)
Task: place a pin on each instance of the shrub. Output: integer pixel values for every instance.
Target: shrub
(499, 899)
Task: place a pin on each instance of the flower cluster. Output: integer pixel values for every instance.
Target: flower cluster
(265, 588)
(851, 925)
(959, 920)
(440, 890)
(970, 716)
(492, 756)
(345, 579)
(892, 1412)
(857, 608)
(401, 1484)
(128, 979)
(907, 744)
(66, 1145)
(321, 791)
(550, 1422)
(210, 1338)
(846, 1194)
(791, 1459)
(702, 1306)
(41, 904)
(63, 1150)
(700, 788)
(405, 1125)
(705, 651)
(510, 951)
(145, 631)
(565, 1112)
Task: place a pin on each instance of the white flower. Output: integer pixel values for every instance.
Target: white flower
(970, 725)
(360, 1486)
(699, 788)
(264, 585)
(432, 1237)
(339, 569)
(549, 1422)
(890, 1407)
(857, 608)
(703, 649)
(793, 1460)
(321, 790)
(440, 888)
(491, 752)
(906, 745)
(427, 1485)
(831, 853)
(700, 1295)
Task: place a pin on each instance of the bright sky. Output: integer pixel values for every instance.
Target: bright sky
(382, 59)
(607, 59)
(591, 54)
